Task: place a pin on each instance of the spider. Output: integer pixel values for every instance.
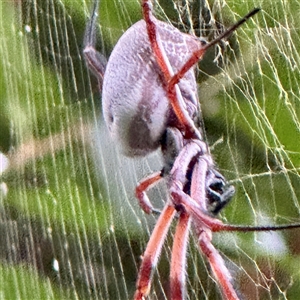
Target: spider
(149, 98)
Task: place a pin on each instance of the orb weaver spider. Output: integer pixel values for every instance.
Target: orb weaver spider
(149, 98)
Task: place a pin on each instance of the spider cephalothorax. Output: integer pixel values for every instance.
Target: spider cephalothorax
(150, 100)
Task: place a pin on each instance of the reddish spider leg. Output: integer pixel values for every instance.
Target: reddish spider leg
(216, 262)
(178, 259)
(173, 91)
(140, 191)
(203, 222)
(153, 251)
(158, 236)
(169, 79)
(197, 55)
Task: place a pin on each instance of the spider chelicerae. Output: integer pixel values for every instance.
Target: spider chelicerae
(149, 97)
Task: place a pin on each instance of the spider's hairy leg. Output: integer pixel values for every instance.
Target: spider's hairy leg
(177, 177)
(216, 262)
(196, 56)
(195, 206)
(153, 251)
(142, 187)
(178, 260)
(203, 224)
(167, 73)
(217, 265)
(170, 79)
(194, 59)
(94, 59)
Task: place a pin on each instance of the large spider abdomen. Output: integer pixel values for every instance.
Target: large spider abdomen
(135, 106)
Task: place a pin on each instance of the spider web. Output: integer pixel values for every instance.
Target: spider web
(70, 225)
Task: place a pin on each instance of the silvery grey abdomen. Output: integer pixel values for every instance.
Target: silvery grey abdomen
(135, 106)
